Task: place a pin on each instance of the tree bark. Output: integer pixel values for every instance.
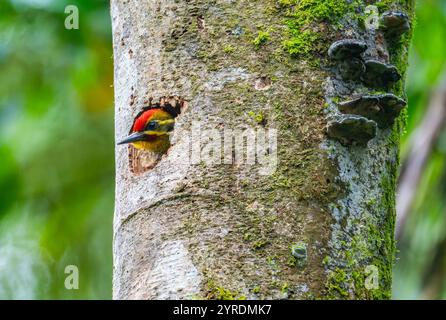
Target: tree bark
(319, 223)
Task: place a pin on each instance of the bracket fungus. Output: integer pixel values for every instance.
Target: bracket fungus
(352, 69)
(346, 49)
(394, 23)
(380, 75)
(352, 129)
(382, 108)
(348, 54)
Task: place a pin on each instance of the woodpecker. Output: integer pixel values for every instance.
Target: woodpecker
(151, 127)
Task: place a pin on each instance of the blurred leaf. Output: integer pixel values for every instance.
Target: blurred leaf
(9, 180)
(57, 154)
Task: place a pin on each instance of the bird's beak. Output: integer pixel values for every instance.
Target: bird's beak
(136, 136)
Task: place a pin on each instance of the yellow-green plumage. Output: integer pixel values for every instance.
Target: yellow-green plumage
(150, 131)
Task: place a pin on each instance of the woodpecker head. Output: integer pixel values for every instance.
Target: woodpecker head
(150, 130)
(151, 127)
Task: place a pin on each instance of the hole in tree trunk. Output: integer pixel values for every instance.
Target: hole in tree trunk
(149, 135)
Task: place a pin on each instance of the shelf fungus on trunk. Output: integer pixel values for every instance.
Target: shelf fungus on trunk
(364, 114)
(394, 24)
(380, 75)
(351, 65)
(352, 129)
(346, 49)
(347, 53)
(382, 108)
(352, 69)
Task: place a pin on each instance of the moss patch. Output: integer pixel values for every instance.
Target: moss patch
(216, 292)
(261, 39)
(305, 21)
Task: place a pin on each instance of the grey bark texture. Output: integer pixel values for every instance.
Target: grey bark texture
(318, 226)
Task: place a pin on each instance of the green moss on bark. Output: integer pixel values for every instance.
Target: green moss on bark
(307, 19)
(216, 292)
(264, 216)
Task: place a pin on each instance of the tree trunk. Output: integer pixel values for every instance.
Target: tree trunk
(205, 222)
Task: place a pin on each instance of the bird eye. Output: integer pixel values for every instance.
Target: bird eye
(152, 125)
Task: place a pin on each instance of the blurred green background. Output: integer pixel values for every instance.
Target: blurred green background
(57, 161)
(56, 149)
(420, 270)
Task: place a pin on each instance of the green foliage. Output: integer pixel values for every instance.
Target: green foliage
(56, 150)
(418, 272)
